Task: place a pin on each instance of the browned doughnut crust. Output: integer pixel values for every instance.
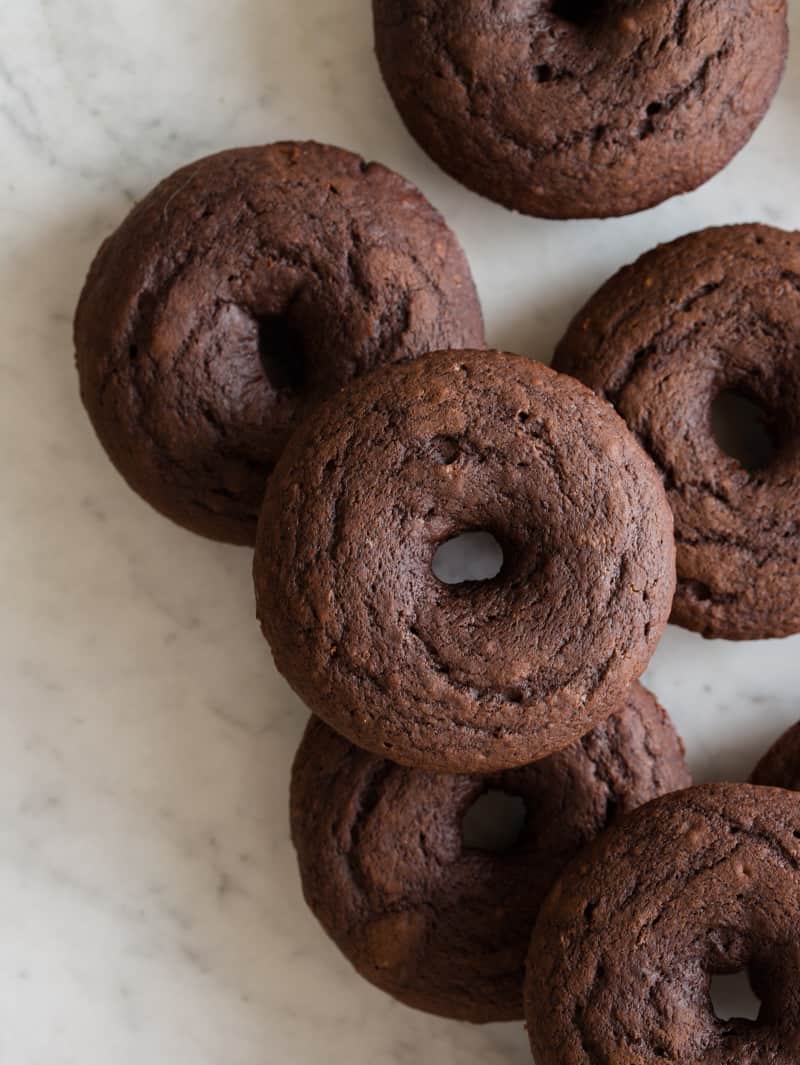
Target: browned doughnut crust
(700, 882)
(440, 926)
(581, 108)
(713, 311)
(240, 291)
(780, 766)
(483, 675)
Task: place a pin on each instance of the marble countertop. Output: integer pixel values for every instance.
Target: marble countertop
(149, 899)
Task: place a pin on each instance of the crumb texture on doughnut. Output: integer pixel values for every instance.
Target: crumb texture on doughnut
(780, 766)
(697, 883)
(581, 108)
(438, 925)
(482, 675)
(238, 292)
(711, 312)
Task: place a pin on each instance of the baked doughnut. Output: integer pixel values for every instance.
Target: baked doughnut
(697, 883)
(581, 108)
(420, 911)
(713, 313)
(482, 675)
(236, 294)
(780, 766)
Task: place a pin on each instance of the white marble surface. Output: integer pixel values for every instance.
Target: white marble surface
(149, 902)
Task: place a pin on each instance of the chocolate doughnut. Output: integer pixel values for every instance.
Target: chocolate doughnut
(481, 675)
(780, 766)
(581, 108)
(713, 313)
(236, 294)
(436, 922)
(697, 883)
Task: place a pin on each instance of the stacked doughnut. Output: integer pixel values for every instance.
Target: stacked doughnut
(283, 347)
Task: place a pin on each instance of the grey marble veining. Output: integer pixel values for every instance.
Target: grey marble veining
(148, 895)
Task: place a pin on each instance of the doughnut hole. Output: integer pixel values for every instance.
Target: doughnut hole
(470, 556)
(750, 979)
(733, 998)
(578, 12)
(741, 427)
(281, 351)
(494, 822)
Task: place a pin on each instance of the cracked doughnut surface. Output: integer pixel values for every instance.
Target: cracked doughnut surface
(441, 926)
(696, 883)
(780, 766)
(581, 108)
(481, 675)
(237, 293)
(714, 311)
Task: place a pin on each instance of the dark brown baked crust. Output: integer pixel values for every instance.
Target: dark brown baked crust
(442, 927)
(699, 882)
(482, 675)
(713, 311)
(238, 292)
(780, 766)
(581, 108)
